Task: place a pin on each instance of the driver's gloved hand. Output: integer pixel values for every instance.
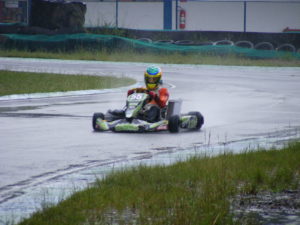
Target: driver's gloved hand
(129, 92)
(152, 95)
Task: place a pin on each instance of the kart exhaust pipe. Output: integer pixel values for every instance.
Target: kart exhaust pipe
(174, 108)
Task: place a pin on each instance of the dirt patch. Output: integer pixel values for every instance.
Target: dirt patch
(268, 208)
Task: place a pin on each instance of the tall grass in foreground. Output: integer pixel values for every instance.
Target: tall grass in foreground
(196, 191)
(23, 82)
(152, 57)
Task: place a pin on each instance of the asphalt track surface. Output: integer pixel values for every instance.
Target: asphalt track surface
(46, 137)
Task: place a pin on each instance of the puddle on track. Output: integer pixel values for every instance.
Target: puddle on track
(27, 197)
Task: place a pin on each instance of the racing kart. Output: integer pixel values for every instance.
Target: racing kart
(132, 118)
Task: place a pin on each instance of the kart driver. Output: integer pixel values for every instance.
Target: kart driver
(159, 95)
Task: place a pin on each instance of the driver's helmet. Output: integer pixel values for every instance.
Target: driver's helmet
(153, 77)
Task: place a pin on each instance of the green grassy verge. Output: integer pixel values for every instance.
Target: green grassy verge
(21, 82)
(196, 191)
(176, 58)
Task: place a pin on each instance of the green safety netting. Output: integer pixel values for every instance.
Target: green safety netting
(69, 42)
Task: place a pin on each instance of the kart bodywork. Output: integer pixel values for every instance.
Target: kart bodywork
(132, 119)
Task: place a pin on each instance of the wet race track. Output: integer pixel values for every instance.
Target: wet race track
(48, 148)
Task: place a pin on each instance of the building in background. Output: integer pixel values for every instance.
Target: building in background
(196, 15)
(190, 15)
(13, 11)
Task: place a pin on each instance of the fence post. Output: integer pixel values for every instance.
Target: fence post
(168, 14)
(176, 15)
(28, 12)
(245, 16)
(117, 13)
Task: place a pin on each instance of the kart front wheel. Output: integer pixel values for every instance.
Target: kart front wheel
(95, 117)
(173, 124)
(200, 119)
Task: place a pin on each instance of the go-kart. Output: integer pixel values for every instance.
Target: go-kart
(132, 118)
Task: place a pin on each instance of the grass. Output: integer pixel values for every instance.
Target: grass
(176, 58)
(22, 82)
(195, 191)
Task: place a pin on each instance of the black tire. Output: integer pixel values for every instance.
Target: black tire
(174, 124)
(164, 42)
(244, 44)
(200, 119)
(286, 48)
(224, 42)
(95, 117)
(264, 46)
(205, 43)
(184, 42)
(148, 40)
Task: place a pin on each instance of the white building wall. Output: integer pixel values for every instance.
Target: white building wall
(204, 16)
(272, 17)
(141, 15)
(135, 15)
(214, 16)
(100, 14)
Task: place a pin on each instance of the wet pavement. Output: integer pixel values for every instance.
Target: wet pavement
(48, 148)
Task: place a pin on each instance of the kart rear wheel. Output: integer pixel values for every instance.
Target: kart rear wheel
(200, 119)
(174, 124)
(95, 117)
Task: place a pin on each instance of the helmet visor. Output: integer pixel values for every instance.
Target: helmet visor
(152, 80)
